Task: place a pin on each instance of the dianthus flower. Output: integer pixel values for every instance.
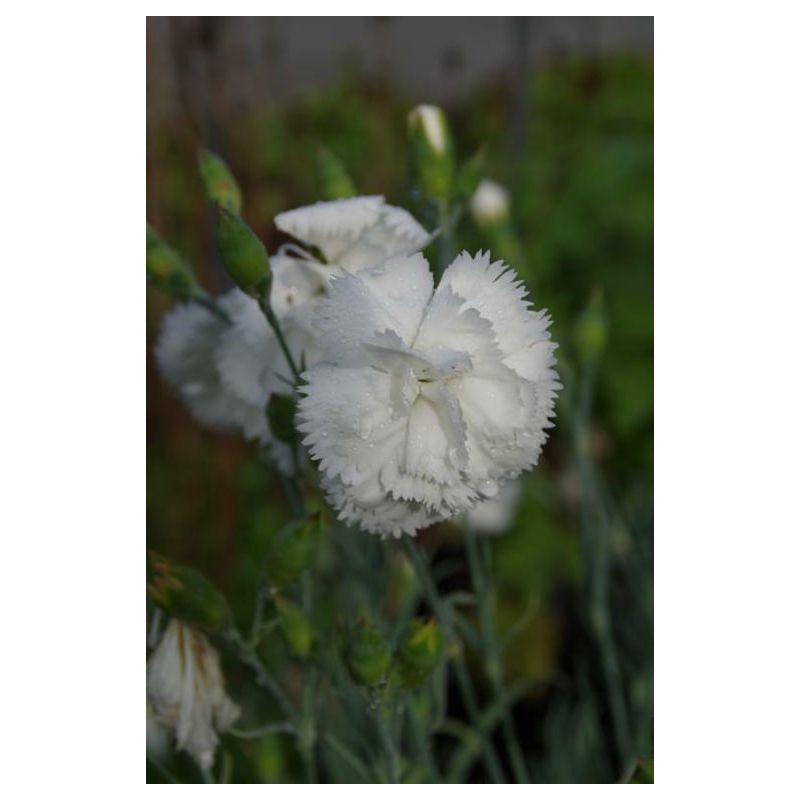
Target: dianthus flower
(425, 401)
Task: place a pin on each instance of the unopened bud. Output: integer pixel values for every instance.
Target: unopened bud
(166, 268)
(187, 594)
(243, 254)
(431, 151)
(470, 174)
(333, 176)
(295, 626)
(421, 651)
(281, 409)
(293, 550)
(367, 654)
(489, 204)
(221, 186)
(591, 329)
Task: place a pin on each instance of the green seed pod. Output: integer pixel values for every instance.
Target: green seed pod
(591, 329)
(166, 268)
(295, 626)
(293, 550)
(333, 176)
(187, 594)
(432, 159)
(221, 186)
(367, 654)
(243, 254)
(420, 651)
(281, 410)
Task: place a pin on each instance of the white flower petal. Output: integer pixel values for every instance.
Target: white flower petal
(333, 226)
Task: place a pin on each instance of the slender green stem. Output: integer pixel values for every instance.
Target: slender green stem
(209, 303)
(308, 738)
(422, 737)
(247, 655)
(481, 580)
(385, 720)
(445, 238)
(594, 532)
(264, 730)
(266, 308)
(463, 679)
(170, 778)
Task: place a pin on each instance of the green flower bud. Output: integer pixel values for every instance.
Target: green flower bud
(243, 253)
(432, 157)
(187, 594)
(295, 626)
(591, 329)
(333, 176)
(420, 652)
(281, 410)
(367, 655)
(470, 174)
(221, 186)
(293, 550)
(166, 268)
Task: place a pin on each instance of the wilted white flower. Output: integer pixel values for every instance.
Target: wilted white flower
(496, 514)
(186, 690)
(226, 373)
(489, 203)
(426, 402)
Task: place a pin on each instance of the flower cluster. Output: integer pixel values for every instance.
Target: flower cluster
(426, 401)
(418, 401)
(226, 371)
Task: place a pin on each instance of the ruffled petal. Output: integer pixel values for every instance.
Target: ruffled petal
(332, 226)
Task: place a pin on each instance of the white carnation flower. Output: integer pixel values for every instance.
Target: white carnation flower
(185, 353)
(426, 402)
(186, 690)
(355, 232)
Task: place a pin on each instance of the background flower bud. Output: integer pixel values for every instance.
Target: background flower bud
(166, 268)
(489, 203)
(431, 151)
(367, 654)
(281, 409)
(420, 652)
(591, 329)
(221, 186)
(187, 594)
(293, 550)
(333, 176)
(295, 627)
(243, 254)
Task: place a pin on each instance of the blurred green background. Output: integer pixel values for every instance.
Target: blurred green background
(569, 130)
